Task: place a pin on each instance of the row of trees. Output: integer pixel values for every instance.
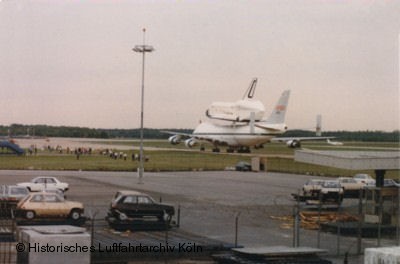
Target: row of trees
(18, 130)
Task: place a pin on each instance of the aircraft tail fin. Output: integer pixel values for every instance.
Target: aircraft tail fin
(278, 114)
(251, 90)
(318, 128)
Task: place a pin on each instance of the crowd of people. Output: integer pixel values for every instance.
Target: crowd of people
(79, 151)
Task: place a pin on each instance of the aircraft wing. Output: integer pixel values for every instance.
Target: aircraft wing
(294, 142)
(190, 141)
(177, 133)
(285, 139)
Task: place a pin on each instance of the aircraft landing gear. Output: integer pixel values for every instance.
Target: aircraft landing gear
(216, 150)
(230, 150)
(244, 150)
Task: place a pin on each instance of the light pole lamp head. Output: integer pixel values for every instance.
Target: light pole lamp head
(143, 48)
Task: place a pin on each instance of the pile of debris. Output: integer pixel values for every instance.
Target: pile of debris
(313, 220)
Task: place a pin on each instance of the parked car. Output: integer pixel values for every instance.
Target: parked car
(12, 193)
(332, 191)
(396, 182)
(390, 183)
(312, 187)
(56, 191)
(39, 184)
(350, 184)
(243, 166)
(365, 179)
(48, 205)
(129, 206)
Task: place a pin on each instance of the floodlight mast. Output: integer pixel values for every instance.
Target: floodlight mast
(142, 49)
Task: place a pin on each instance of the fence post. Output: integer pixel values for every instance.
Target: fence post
(236, 228)
(319, 219)
(360, 221)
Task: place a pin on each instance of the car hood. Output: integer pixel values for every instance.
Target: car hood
(74, 204)
(24, 184)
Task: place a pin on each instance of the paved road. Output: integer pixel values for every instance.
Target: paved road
(209, 202)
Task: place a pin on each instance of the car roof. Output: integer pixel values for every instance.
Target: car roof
(329, 181)
(130, 192)
(362, 175)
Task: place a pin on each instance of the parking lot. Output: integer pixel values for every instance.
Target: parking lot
(209, 203)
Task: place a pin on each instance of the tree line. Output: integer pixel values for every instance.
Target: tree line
(19, 130)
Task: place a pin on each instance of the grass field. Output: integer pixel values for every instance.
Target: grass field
(170, 159)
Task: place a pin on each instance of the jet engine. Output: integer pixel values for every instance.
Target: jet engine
(190, 143)
(174, 140)
(293, 143)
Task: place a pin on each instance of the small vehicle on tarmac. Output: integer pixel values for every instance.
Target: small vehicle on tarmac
(365, 179)
(243, 166)
(39, 184)
(44, 205)
(390, 183)
(332, 191)
(130, 207)
(351, 188)
(312, 187)
(12, 193)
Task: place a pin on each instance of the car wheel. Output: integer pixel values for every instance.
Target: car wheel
(75, 214)
(30, 215)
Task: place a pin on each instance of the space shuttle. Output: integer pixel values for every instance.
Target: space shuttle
(240, 111)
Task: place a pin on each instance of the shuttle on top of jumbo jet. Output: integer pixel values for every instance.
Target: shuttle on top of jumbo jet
(243, 126)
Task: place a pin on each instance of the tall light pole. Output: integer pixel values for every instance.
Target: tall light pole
(143, 49)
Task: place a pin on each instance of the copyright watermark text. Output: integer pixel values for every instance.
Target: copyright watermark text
(113, 248)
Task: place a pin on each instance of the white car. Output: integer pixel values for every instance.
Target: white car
(350, 184)
(364, 178)
(332, 190)
(312, 187)
(39, 184)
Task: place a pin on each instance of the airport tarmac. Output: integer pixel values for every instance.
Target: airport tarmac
(209, 203)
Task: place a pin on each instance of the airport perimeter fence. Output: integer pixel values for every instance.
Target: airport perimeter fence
(347, 228)
(8, 254)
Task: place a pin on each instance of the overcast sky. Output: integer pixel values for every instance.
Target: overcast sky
(70, 62)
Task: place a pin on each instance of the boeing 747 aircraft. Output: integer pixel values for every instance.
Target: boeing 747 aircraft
(243, 125)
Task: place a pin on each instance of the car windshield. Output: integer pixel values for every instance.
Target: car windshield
(331, 185)
(314, 182)
(24, 199)
(361, 176)
(348, 180)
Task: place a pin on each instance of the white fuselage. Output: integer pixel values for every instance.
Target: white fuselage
(236, 135)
